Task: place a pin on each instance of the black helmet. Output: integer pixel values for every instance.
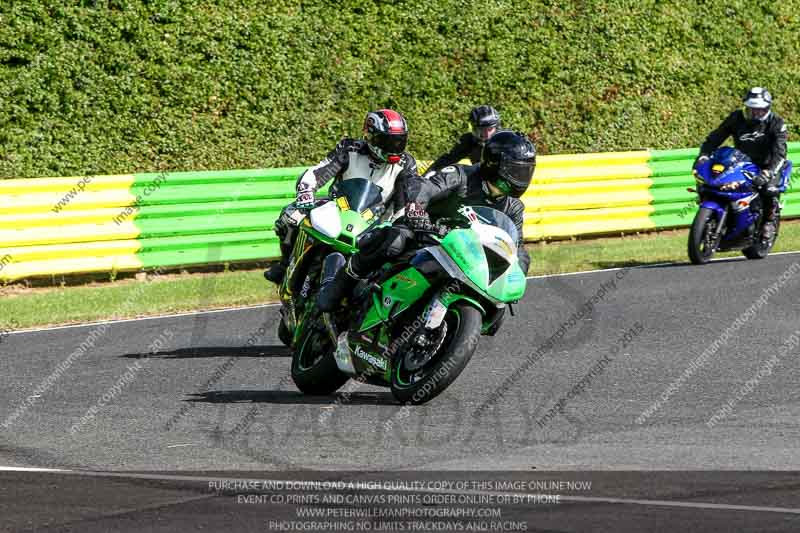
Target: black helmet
(757, 105)
(386, 134)
(507, 162)
(485, 121)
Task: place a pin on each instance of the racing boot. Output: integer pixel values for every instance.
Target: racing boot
(286, 230)
(338, 281)
(277, 271)
(768, 228)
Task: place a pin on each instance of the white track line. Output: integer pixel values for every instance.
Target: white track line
(260, 306)
(29, 469)
(311, 485)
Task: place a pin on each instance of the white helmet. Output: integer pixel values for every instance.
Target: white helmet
(757, 105)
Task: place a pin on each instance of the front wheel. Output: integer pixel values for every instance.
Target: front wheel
(423, 372)
(761, 249)
(702, 236)
(314, 368)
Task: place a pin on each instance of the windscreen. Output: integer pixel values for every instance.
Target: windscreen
(487, 215)
(361, 193)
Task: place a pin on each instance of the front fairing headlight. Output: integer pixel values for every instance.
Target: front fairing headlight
(731, 186)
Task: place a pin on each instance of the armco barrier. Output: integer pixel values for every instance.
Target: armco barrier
(126, 223)
(611, 193)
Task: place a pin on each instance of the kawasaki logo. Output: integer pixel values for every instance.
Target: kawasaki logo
(371, 359)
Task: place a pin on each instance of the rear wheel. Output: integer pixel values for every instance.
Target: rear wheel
(702, 236)
(428, 367)
(761, 248)
(314, 368)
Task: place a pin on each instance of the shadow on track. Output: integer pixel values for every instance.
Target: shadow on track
(293, 397)
(602, 265)
(216, 351)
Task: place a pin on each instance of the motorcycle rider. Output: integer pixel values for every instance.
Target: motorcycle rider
(380, 157)
(485, 122)
(761, 134)
(504, 173)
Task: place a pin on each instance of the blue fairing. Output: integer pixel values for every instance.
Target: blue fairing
(733, 203)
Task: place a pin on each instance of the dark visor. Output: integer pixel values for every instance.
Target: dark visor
(518, 173)
(391, 144)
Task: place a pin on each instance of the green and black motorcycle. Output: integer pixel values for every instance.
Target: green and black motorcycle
(413, 325)
(333, 225)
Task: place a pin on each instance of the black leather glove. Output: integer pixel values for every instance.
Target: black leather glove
(762, 179)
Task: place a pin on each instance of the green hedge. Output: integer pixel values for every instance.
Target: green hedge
(126, 86)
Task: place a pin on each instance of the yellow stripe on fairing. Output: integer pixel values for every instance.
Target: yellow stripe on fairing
(46, 202)
(68, 234)
(125, 262)
(70, 251)
(63, 185)
(65, 217)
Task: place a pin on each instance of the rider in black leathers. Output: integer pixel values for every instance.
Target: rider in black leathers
(498, 181)
(485, 122)
(761, 134)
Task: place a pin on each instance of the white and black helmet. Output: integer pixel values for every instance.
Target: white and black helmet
(757, 105)
(485, 122)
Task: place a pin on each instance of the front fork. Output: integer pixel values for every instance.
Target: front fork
(717, 236)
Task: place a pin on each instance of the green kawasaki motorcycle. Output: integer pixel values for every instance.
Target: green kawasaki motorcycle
(414, 325)
(333, 225)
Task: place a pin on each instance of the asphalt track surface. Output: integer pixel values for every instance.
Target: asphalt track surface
(615, 390)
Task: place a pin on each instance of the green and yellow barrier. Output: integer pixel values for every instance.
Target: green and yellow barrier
(53, 226)
(602, 194)
(127, 223)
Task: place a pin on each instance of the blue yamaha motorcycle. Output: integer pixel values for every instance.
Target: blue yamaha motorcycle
(731, 212)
